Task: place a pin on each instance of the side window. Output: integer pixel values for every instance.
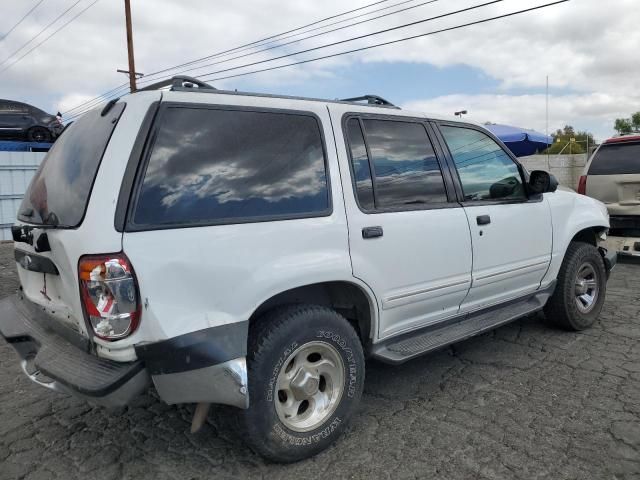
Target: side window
(403, 167)
(220, 166)
(485, 170)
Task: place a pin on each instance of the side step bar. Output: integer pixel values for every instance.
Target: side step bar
(405, 347)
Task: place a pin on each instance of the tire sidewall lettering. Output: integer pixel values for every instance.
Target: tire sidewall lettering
(351, 370)
(276, 370)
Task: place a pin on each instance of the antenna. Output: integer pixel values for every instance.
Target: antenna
(547, 123)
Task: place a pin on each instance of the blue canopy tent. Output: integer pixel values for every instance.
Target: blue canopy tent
(521, 142)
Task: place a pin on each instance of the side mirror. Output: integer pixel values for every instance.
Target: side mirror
(542, 182)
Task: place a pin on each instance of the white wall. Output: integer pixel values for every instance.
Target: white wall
(566, 168)
(16, 171)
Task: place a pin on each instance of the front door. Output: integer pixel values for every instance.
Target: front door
(409, 241)
(511, 233)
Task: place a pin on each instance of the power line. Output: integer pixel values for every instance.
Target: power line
(39, 33)
(21, 20)
(316, 22)
(48, 37)
(308, 37)
(359, 37)
(456, 27)
(198, 60)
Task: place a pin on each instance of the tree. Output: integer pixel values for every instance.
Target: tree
(562, 138)
(627, 125)
(623, 126)
(635, 121)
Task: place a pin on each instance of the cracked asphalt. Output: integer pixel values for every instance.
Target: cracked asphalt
(524, 401)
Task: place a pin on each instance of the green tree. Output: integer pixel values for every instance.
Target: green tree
(562, 138)
(635, 121)
(623, 126)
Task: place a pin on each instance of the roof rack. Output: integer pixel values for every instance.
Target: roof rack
(179, 82)
(184, 83)
(371, 100)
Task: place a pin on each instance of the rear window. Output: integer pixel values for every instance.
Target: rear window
(60, 190)
(616, 159)
(210, 166)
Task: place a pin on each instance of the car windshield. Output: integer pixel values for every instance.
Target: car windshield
(60, 190)
(616, 159)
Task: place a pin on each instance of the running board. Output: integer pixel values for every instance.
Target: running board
(405, 347)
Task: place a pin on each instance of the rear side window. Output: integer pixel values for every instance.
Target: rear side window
(616, 159)
(360, 163)
(211, 166)
(60, 190)
(402, 170)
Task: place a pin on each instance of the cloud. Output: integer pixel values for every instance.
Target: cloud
(587, 47)
(595, 111)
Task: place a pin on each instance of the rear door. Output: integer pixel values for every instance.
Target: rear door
(511, 234)
(613, 177)
(409, 238)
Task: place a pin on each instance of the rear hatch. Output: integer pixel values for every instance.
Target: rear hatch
(613, 177)
(50, 234)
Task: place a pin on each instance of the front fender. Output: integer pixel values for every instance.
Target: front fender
(571, 213)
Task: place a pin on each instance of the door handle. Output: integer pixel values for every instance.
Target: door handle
(371, 232)
(483, 219)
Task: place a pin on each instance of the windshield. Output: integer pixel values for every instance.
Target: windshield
(616, 159)
(60, 190)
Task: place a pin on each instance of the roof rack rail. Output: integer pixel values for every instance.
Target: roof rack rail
(179, 82)
(371, 100)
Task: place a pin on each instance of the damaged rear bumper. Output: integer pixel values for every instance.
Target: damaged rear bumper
(59, 359)
(206, 366)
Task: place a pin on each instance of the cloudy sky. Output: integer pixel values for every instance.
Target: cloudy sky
(496, 70)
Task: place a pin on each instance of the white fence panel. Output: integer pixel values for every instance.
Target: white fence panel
(16, 171)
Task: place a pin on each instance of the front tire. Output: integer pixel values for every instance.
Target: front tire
(580, 292)
(306, 375)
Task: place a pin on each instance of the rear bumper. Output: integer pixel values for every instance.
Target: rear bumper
(204, 366)
(61, 361)
(623, 245)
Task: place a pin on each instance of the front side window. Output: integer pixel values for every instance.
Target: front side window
(225, 166)
(402, 167)
(485, 170)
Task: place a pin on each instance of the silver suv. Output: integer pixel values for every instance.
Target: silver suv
(612, 175)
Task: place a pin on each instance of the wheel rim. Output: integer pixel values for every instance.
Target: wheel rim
(586, 288)
(38, 135)
(309, 386)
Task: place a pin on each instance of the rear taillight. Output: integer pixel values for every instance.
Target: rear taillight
(110, 295)
(582, 185)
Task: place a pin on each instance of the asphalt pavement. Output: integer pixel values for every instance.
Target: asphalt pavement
(525, 401)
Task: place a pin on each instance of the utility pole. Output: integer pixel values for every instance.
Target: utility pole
(132, 63)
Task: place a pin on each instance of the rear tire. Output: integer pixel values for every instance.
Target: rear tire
(580, 291)
(306, 375)
(39, 134)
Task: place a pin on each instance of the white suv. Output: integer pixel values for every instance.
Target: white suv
(252, 250)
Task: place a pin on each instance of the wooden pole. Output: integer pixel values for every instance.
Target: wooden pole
(132, 66)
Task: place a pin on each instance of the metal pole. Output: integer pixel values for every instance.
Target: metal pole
(547, 123)
(132, 66)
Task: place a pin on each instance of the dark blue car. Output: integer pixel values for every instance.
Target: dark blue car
(20, 120)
